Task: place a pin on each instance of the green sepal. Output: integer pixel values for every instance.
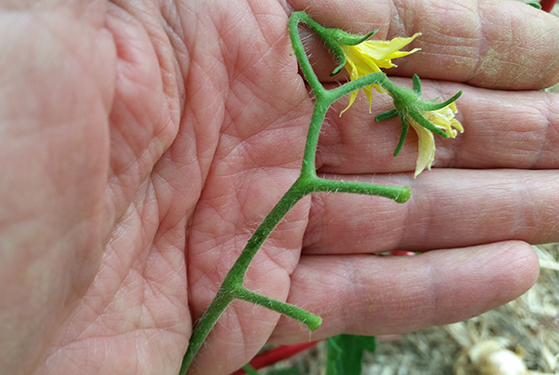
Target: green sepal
(393, 113)
(338, 53)
(348, 39)
(422, 120)
(535, 5)
(330, 38)
(333, 38)
(428, 106)
(405, 127)
(417, 85)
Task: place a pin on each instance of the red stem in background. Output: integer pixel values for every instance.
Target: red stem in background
(275, 355)
(547, 5)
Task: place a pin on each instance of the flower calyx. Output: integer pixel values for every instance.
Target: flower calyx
(340, 38)
(426, 117)
(334, 39)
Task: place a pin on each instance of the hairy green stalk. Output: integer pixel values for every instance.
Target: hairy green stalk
(232, 287)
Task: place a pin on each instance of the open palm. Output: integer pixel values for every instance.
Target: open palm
(142, 142)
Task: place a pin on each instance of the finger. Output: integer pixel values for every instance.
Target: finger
(492, 205)
(501, 130)
(504, 44)
(372, 295)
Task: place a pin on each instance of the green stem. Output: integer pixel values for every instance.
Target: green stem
(308, 168)
(232, 287)
(310, 320)
(299, 51)
(234, 279)
(398, 194)
(218, 305)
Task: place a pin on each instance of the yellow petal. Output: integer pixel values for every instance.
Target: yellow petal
(361, 62)
(426, 147)
(385, 49)
(369, 57)
(351, 96)
(444, 119)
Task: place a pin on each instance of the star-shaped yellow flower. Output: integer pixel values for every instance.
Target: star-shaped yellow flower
(443, 119)
(369, 57)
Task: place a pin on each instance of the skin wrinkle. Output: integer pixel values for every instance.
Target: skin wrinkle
(528, 145)
(316, 224)
(397, 20)
(159, 41)
(250, 103)
(257, 89)
(161, 187)
(272, 259)
(180, 54)
(356, 291)
(448, 33)
(485, 68)
(333, 279)
(552, 126)
(535, 127)
(317, 209)
(530, 213)
(428, 214)
(270, 41)
(244, 68)
(126, 224)
(119, 174)
(387, 289)
(420, 211)
(432, 301)
(241, 109)
(197, 69)
(539, 211)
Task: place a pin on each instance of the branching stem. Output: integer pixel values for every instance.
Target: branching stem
(232, 287)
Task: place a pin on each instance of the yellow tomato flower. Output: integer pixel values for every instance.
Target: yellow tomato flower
(369, 57)
(443, 119)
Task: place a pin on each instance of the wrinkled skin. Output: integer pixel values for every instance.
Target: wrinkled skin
(141, 142)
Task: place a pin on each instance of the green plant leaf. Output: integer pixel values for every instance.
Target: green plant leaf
(345, 353)
(369, 343)
(287, 371)
(535, 5)
(250, 370)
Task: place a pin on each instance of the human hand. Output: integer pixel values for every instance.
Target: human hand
(143, 142)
